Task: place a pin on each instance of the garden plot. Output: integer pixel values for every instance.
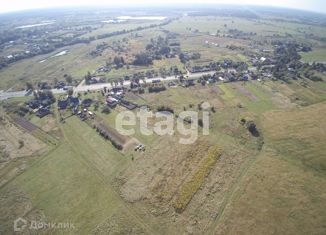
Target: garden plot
(16, 143)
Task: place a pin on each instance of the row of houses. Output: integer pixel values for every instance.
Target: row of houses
(115, 97)
(74, 103)
(41, 104)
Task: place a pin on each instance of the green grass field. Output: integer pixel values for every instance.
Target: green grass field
(316, 55)
(283, 184)
(76, 176)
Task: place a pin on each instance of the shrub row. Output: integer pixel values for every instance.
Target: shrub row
(107, 136)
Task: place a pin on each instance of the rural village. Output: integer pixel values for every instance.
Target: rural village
(258, 74)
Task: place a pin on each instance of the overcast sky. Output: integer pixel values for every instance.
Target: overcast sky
(15, 5)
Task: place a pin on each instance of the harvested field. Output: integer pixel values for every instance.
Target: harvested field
(25, 124)
(156, 177)
(16, 143)
(138, 183)
(50, 125)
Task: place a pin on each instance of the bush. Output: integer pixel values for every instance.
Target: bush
(141, 90)
(251, 126)
(21, 144)
(22, 111)
(165, 109)
(200, 122)
(116, 145)
(315, 78)
(107, 136)
(155, 89)
(143, 59)
(106, 110)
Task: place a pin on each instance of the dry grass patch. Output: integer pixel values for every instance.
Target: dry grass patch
(276, 197)
(16, 143)
(299, 134)
(188, 189)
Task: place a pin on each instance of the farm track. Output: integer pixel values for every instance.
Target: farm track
(104, 179)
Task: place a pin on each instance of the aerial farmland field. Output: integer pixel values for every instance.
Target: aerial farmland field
(199, 120)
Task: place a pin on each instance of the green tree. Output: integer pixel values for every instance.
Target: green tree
(29, 86)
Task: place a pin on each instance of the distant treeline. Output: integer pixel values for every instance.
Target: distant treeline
(225, 12)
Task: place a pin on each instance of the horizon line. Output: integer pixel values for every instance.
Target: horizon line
(135, 6)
